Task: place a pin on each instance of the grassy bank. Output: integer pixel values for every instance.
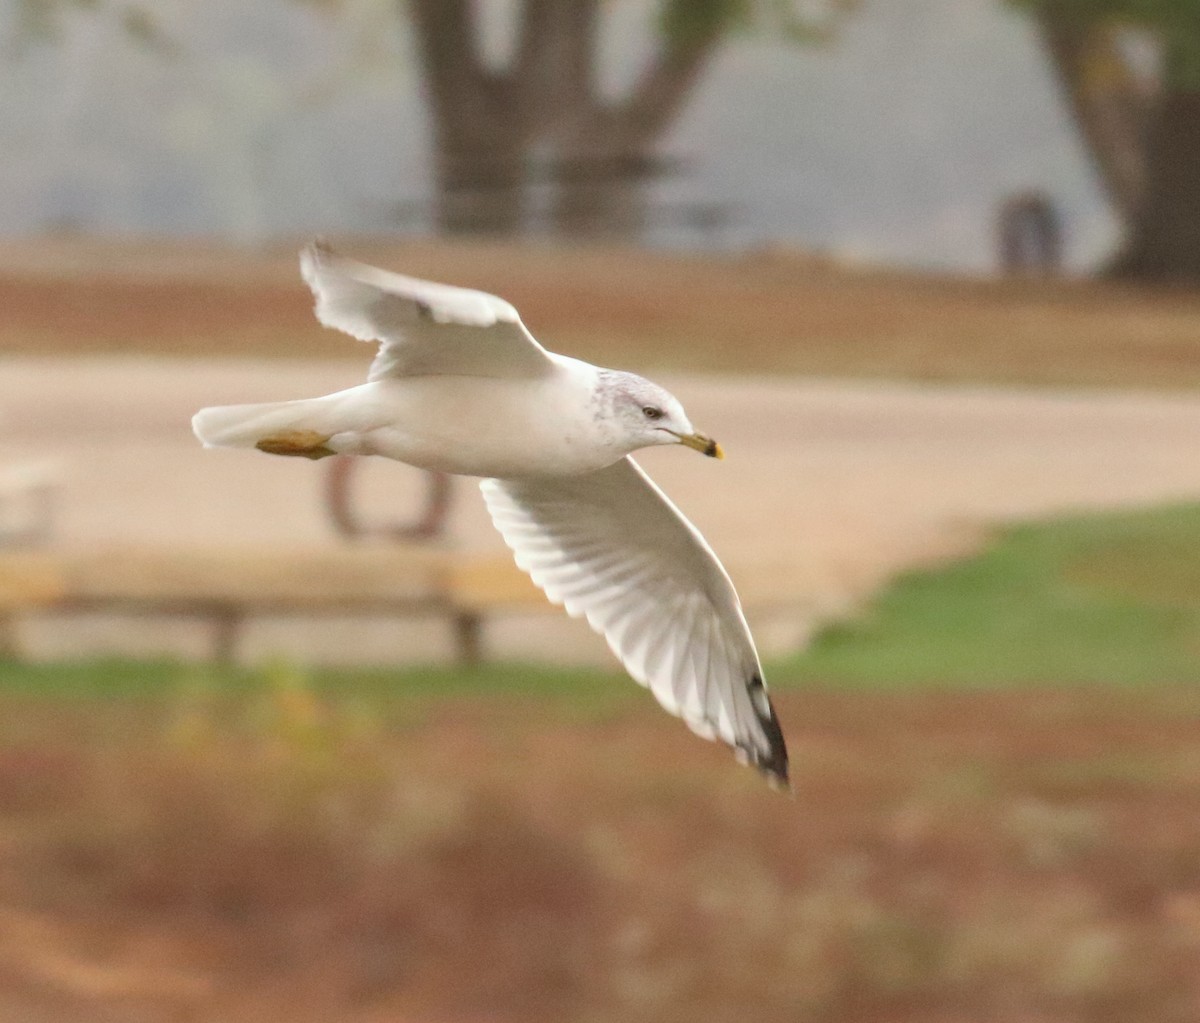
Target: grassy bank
(1109, 598)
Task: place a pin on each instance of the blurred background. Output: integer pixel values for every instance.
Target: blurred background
(297, 741)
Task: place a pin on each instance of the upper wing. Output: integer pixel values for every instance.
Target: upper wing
(424, 329)
(611, 546)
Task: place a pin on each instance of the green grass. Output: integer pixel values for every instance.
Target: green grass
(1100, 599)
(129, 678)
(1113, 598)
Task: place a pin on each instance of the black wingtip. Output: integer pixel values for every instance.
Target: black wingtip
(773, 764)
(775, 771)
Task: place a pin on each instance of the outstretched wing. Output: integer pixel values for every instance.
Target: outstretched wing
(423, 329)
(611, 547)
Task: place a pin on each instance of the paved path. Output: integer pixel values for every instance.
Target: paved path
(840, 484)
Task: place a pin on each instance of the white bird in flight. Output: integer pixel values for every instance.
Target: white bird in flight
(460, 386)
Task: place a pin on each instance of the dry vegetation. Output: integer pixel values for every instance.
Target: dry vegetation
(287, 856)
(771, 311)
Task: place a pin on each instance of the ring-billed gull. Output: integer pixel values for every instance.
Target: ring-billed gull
(459, 385)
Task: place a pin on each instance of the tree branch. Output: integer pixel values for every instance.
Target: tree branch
(660, 93)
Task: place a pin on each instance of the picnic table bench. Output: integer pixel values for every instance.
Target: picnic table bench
(226, 587)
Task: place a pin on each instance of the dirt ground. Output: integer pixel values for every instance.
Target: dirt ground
(948, 857)
(769, 311)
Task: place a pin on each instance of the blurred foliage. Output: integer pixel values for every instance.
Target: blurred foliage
(41, 21)
(695, 20)
(688, 20)
(1176, 22)
(1165, 14)
(682, 19)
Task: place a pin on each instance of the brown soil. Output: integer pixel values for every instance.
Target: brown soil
(948, 857)
(764, 311)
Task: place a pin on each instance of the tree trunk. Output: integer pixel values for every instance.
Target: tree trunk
(1144, 143)
(597, 193)
(607, 153)
(1164, 240)
(1109, 105)
(484, 120)
(480, 184)
(601, 190)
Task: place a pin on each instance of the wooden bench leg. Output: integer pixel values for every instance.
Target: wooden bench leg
(468, 638)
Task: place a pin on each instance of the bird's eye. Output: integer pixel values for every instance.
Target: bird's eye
(651, 412)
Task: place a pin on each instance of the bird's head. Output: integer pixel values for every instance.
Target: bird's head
(648, 415)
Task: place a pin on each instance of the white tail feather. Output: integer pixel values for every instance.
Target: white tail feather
(243, 426)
